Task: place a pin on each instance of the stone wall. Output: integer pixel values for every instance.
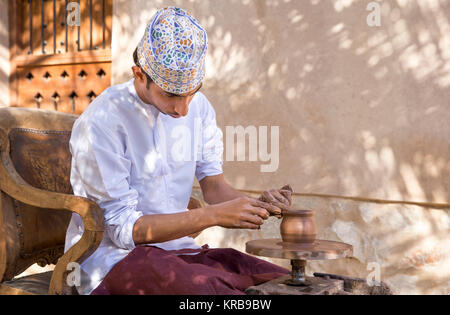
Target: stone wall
(409, 244)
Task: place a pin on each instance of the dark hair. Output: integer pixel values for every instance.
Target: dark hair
(136, 62)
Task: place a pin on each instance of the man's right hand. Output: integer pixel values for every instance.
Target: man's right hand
(242, 213)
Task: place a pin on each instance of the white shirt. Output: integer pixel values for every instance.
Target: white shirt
(132, 161)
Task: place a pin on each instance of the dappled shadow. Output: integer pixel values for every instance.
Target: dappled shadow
(409, 242)
(362, 111)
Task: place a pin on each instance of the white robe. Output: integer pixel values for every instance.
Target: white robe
(132, 161)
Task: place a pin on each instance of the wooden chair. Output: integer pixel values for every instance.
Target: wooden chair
(36, 202)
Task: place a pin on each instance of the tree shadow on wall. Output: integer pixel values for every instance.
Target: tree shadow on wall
(362, 110)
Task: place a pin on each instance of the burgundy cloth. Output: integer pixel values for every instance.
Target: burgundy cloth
(151, 270)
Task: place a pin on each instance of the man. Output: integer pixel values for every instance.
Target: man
(124, 160)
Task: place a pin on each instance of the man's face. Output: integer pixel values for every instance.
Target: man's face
(167, 103)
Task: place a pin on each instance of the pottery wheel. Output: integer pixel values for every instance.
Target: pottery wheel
(319, 250)
(299, 253)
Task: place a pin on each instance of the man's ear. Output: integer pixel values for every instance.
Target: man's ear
(138, 74)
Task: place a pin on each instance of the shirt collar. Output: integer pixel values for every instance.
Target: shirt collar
(149, 109)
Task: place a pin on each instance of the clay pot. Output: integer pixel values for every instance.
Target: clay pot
(298, 226)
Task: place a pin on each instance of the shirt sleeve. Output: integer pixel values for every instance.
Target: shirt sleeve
(210, 161)
(104, 174)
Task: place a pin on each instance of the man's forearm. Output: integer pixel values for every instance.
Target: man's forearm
(160, 228)
(238, 213)
(227, 193)
(220, 191)
(216, 190)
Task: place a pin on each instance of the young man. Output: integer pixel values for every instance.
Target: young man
(125, 159)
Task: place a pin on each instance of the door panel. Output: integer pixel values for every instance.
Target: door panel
(56, 66)
(66, 88)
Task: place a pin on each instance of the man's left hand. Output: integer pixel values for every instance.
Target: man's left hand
(281, 198)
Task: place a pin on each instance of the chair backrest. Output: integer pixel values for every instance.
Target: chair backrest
(39, 151)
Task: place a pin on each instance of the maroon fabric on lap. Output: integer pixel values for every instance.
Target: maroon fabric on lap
(151, 270)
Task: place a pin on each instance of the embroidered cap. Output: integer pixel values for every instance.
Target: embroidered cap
(173, 50)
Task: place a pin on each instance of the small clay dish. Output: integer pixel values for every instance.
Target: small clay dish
(298, 226)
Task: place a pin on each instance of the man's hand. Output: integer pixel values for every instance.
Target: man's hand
(242, 213)
(239, 213)
(281, 198)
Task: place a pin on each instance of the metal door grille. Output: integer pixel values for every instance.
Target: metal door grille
(44, 28)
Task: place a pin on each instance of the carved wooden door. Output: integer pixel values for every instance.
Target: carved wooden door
(56, 62)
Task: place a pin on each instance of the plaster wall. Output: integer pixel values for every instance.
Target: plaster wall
(362, 111)
(406, 246)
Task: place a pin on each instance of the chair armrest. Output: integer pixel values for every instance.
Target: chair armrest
(15, 186)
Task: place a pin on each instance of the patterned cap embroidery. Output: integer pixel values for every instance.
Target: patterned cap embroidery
(173, 50)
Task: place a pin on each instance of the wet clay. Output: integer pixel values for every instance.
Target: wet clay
(286, 191)
(297, 226)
